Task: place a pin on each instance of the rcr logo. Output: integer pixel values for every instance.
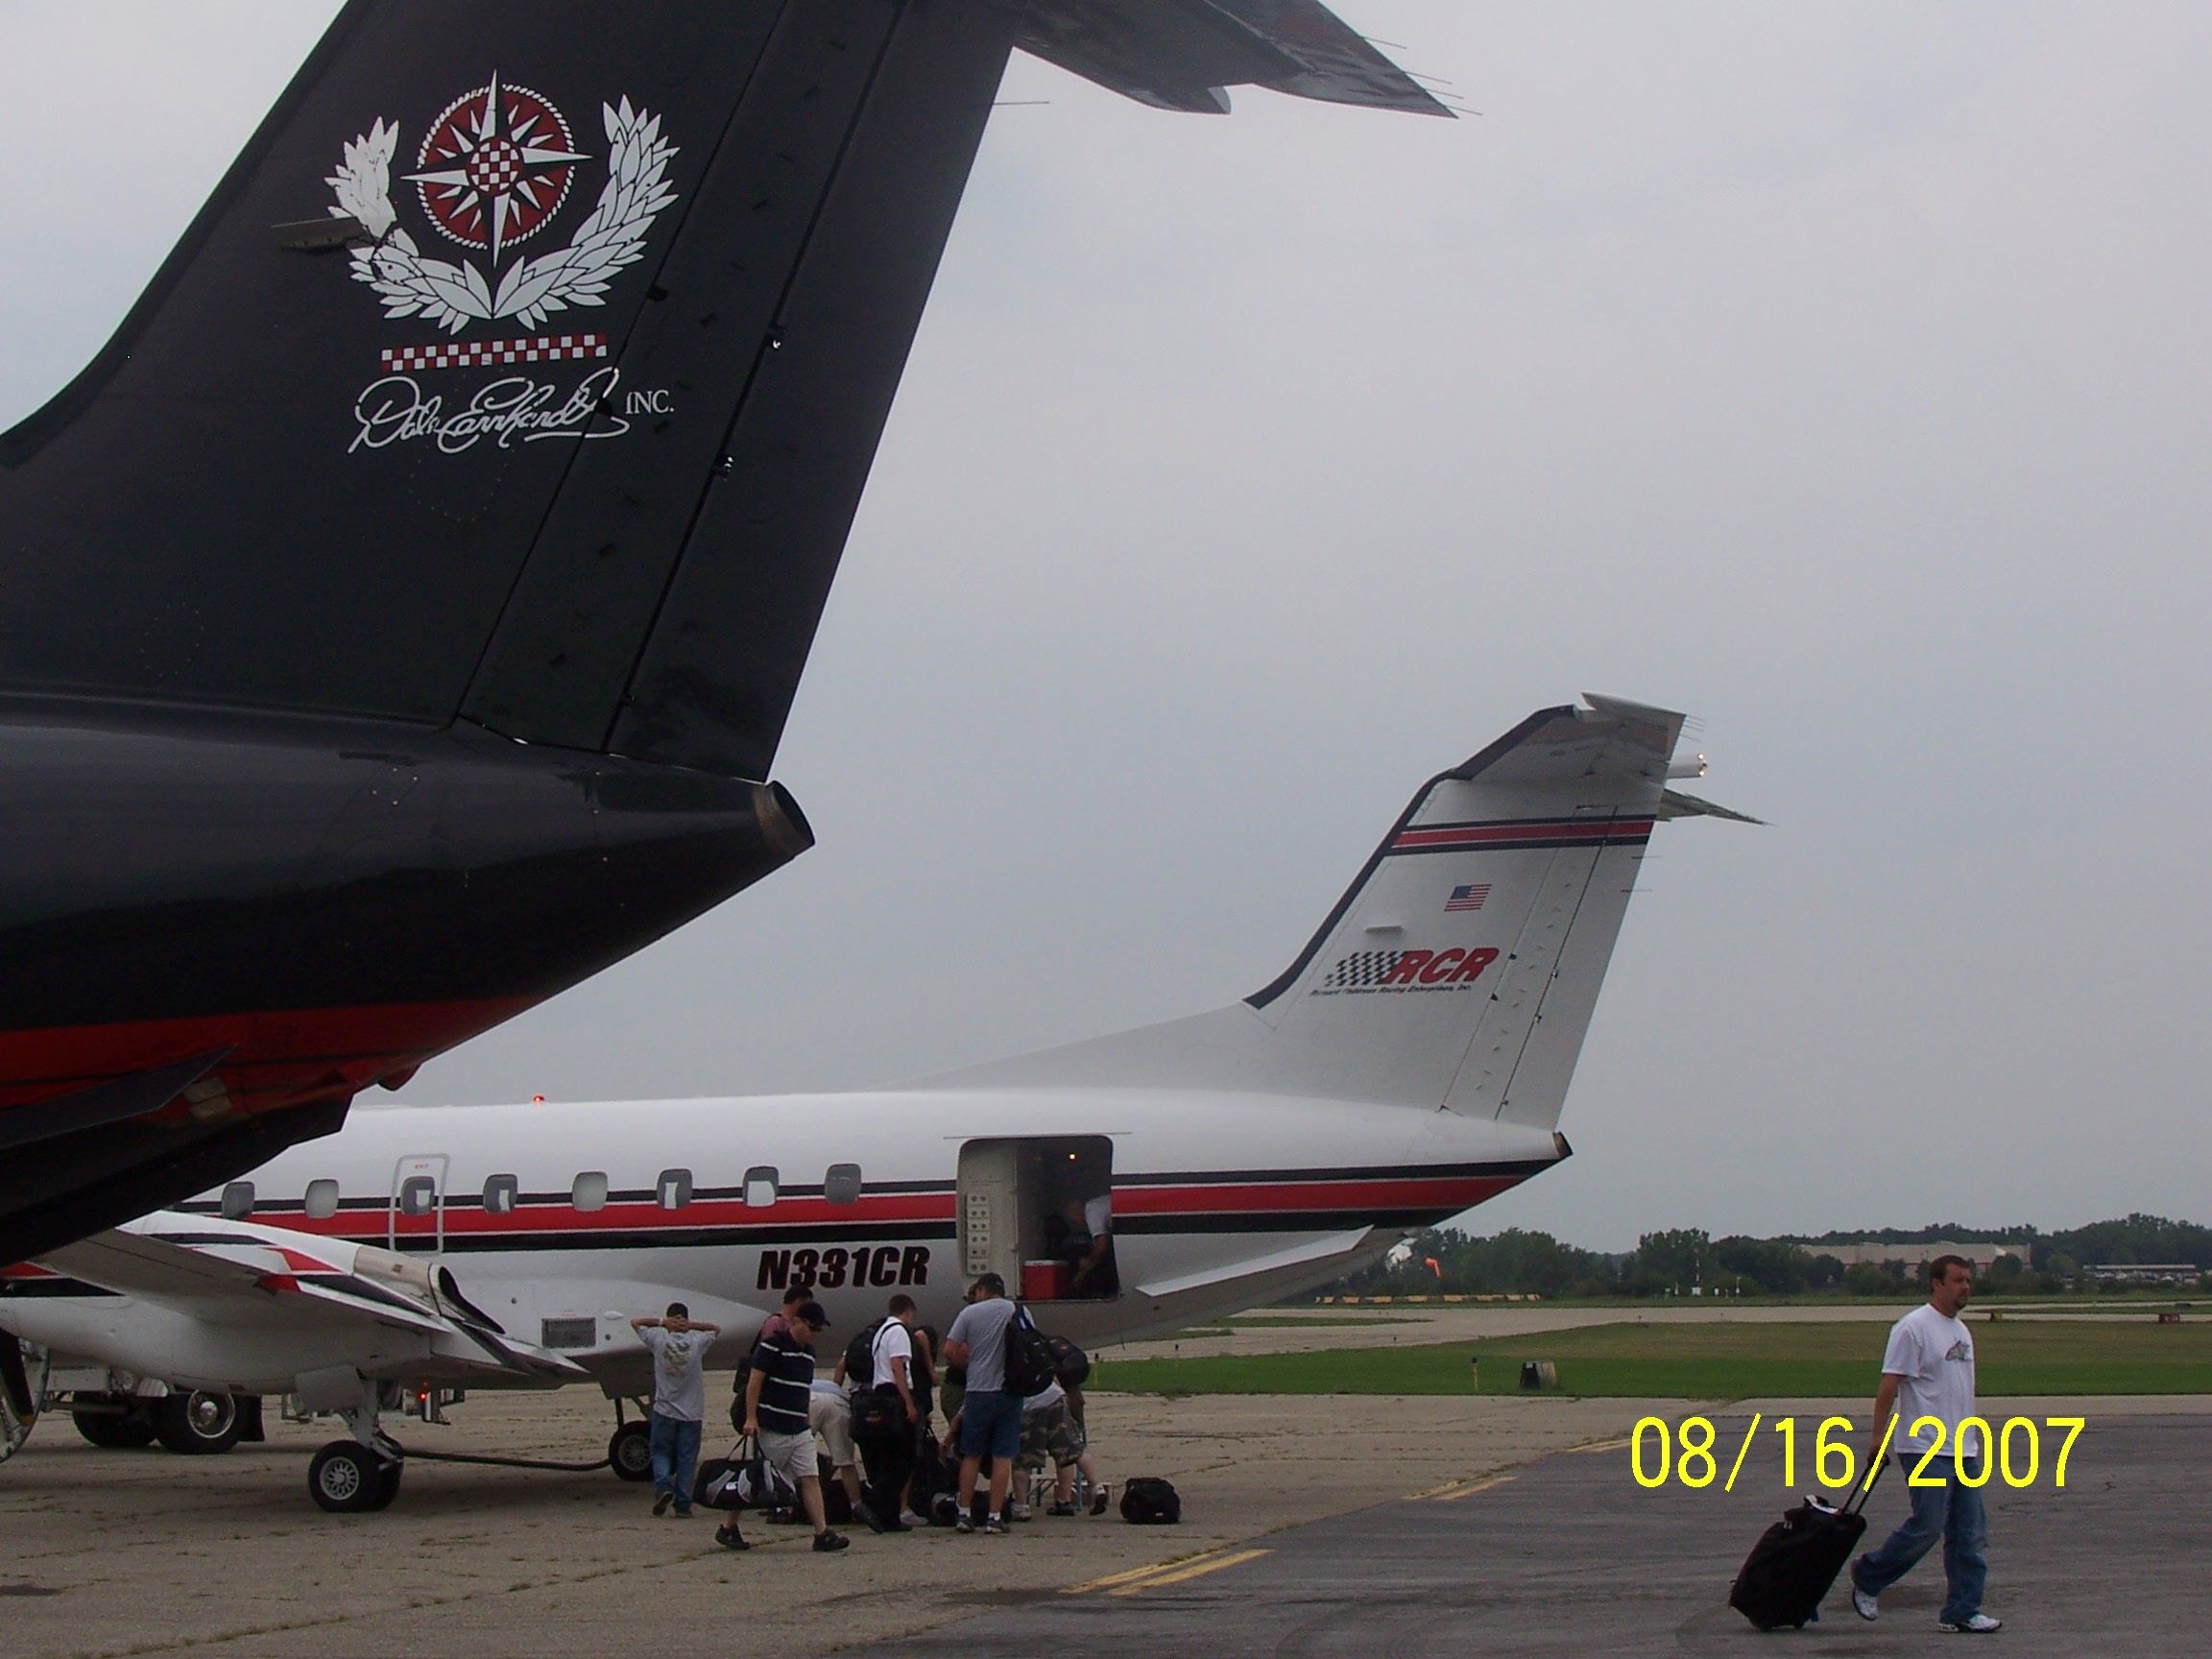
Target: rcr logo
(1367, 972)
(1440, 967)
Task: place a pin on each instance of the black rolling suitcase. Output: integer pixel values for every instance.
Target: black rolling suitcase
(1796, 1561)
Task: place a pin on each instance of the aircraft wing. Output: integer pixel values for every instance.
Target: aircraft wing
(1184, 54)
(241, 1274)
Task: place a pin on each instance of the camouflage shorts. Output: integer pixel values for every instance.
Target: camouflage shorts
(1053, 1433)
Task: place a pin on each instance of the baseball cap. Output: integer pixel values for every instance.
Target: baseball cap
(813, 1313)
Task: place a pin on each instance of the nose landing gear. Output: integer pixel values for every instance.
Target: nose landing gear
(349, 1478)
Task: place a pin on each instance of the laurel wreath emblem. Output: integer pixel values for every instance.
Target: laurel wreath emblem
(454, 295)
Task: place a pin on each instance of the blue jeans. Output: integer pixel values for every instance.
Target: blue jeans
(675, 1448)
(1951, 1511)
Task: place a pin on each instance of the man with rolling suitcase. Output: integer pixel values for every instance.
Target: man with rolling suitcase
(1928, 1380)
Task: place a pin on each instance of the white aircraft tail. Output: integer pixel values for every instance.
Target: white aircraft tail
(1462, 967)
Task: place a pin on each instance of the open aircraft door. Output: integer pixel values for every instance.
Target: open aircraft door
(1014, 1202)
(418, 1215)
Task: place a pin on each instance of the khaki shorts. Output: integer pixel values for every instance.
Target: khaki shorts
(790, 1455)
(831, 1415)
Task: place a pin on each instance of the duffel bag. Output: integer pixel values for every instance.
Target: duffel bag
(741, 1481)
(1150, 1502)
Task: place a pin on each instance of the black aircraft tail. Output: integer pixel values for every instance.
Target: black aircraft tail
(526, 369)
(520, 378)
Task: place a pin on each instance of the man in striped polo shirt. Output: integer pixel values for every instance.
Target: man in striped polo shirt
(776, 1402)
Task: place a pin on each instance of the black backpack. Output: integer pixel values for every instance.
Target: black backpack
(1069, 1364)
(1150, 1502)
(1031, 1364)
(860, 1356)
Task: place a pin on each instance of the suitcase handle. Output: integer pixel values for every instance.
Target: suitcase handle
(1857, 1501)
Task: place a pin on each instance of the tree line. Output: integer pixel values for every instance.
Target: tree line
(1682, 1261)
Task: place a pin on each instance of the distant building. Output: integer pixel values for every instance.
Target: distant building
(1916, 1257)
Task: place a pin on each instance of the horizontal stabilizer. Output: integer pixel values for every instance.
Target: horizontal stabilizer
(1183, 54)
(1676, 805)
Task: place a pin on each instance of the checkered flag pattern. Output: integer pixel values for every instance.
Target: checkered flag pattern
(475, 354)
(1363, 969)
(495, 166)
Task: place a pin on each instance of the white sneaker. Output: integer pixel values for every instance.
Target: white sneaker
(1980, 1625)
(1864, 1605)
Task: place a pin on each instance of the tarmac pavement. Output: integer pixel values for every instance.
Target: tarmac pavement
(1568, 1556)
(147, 1553)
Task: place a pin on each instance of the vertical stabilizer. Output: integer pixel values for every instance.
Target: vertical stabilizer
(1462, 967)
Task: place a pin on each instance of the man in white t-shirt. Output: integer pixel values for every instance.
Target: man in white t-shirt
(889, 1453)
(1927, 1381)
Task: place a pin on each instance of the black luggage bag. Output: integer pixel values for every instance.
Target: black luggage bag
(1796, 1561)
(741, 1481)
(1147, 1500)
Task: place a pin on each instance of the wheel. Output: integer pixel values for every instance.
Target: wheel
(22, 1392)
(630, 1449)
(198, 1423)
(113, 1423)
(345, 1477)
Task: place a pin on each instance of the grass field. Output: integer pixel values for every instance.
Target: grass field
(1707, 1362)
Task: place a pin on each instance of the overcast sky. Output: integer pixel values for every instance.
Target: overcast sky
(1837, 372)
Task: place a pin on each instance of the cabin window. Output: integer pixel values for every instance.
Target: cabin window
(673, 1189)
(589, 1192)
(500, 1193)
(419, 1195)
(842, 1185)
(321, 1200)
(760, 1182)
(238, 1200)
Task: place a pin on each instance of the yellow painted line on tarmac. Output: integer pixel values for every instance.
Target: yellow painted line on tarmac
(1434, 1491)
(1194, 1570)
(1135, 1572)
(1599, 1445)
(1468, 1488)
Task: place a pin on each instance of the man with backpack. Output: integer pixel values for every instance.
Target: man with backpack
(887, 1414)
(1002, 1351)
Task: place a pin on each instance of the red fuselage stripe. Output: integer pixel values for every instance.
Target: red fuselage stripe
(277, 1056)
(1490, 834)
(1444, 1193)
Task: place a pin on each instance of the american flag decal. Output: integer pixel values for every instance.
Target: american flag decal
(1469, 897)
(476, 354)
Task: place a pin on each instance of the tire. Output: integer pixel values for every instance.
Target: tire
(122, 1427)
(198, 1424)
(345, 1477)
(387, 1484)
(630, 1452)
(22, 1392)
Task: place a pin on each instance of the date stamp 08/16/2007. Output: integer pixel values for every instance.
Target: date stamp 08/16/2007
(1659, 1451)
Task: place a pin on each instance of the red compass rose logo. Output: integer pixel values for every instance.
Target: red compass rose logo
(496, 166)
